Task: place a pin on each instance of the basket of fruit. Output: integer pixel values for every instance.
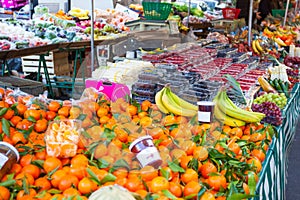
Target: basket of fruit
(156, 10)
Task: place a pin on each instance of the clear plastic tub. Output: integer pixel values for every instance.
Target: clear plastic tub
(9, 155)
(140, 99)
(149, 76)
(167, 67)
(144, 84)
(143, 92)
(62, 137)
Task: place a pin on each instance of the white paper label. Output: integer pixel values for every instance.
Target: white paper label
(3, 160)
(148, 156)
(204, 116)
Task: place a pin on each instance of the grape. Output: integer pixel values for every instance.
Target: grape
(279, 99)
(271, 110)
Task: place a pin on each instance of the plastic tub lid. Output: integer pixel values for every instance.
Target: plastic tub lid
(205, 103)
(138, 140)
(12, 148)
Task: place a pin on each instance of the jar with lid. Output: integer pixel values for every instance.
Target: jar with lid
(9, 155)
(145, 151)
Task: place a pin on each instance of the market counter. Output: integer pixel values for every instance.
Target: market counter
(273, 176)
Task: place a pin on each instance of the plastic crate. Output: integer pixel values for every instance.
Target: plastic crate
(230, 13)
(156, 10)
(279, 12)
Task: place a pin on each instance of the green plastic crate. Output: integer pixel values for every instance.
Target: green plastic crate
(278, 13)
(156, 10)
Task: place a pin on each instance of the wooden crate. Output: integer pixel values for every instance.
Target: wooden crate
(57, 64)
(31, 87)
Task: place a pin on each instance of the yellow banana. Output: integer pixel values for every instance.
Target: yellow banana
(173, 107)
(256, 114)
(228, 107)
(182, 103)
(223, 118)
(254, 47)
(268, 32)
(282, 31)
(279, 42)
(159, 103)
(258, 46)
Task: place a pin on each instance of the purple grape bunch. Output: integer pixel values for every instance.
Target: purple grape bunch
(271, 110)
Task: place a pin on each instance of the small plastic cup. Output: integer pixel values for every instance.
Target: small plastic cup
(146, 152)
(205, 111)
(8, 156)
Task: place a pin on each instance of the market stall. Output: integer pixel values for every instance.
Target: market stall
(207, 119)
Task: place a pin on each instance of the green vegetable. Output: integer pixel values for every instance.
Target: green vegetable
(277, 85)
(284, 89)
(197, 12)
(22, 44)
(50, 35)
(181, 8)
(58, 40)
(70, 35)
(271, 83)
(77, 39)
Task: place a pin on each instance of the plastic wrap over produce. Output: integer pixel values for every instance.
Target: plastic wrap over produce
(125, 72)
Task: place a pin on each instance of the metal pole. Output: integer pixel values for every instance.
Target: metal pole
(296, 7)
(286, 11)
(189, 13)
(92, 38)
(30, 9)
(250, 23)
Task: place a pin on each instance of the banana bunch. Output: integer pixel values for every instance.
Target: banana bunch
(80, 13)
(268, 33)
(280, 42)
(168, 102)
(257, 48)
(155, 51)
(228, 113)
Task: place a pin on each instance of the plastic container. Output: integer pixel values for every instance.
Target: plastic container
(145, 151)
(156, 10)
(149, 76)
(205, 111)
(231, 13)
(8, 156)
(278, 12)
(62, 138)
(145, 84)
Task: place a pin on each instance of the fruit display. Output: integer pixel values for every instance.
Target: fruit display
(197, 159)
(271, 110)
(114, 18)
(61, 14)
(293, 71)
(231, 115)
(13, 35)
(279, 99)
(283, 36)
(137, 7)
(168, 102)
(79, 13)
(183, 8)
